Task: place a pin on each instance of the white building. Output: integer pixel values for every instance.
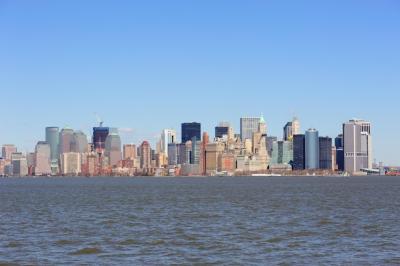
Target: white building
(71, 163)
(167, 136)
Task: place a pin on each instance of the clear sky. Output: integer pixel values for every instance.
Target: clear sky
(148, 65)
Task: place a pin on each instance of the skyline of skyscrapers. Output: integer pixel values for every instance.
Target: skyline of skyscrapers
(62, 151)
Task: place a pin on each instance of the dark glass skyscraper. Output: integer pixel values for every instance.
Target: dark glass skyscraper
(339, 152)
(53, 139)
(299, 149)
(221, 131)
(325, 153)
(100, 135)
(190, 130)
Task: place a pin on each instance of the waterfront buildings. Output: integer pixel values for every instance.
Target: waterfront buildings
(339, 152)
(67, 141)
(325, 153)
(357, 146)
(145, 157)
(99, 138)
(71, 163)
(129, 152)
(8, 150)
(113, 149)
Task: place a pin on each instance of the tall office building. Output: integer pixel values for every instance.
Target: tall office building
(325, 153)
(172, 154)
(312, 149)
(248, 126)
(53, 139)
(67, 141)
(167, 136)
(190, 130)
(282, 152)
(270, 141)
(357, 146)
(224, 129)
(71, 163)
(288, 132)
(8, 150)
(299, 149)
(113, 149)
(19, 164)
(129, 152)
(80, 142)
(183, 157)
(295, 126)
(99, 138)
(42, 158)
(339, 152)
(195, 154)
(145, 156)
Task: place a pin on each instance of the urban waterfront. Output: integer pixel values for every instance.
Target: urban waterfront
(226, 220)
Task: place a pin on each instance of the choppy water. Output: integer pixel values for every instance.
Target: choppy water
(280, 220)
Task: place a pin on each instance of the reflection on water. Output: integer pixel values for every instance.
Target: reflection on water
(303, 220)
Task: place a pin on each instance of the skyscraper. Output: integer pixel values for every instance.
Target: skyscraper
(339, 152)
(129, 151)
(325, 153)
(99, 138)
(282, 152)
(42, 158)
(224, 129)
(71, 163)
(248, 126)
(8, 150)
(270, 140)
(113, 148)
(80, 142)
(195, 154)
(53, 139)
(19, 164)
(357, 146)
(67, 141)
(288, 132)
(145, 156)
(312, 149)
(167, 136)
(299, 142)
(295, 126)
(190, 130)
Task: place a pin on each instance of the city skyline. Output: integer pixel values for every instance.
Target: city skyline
(144, 67)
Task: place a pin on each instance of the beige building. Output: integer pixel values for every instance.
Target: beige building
(71, 163)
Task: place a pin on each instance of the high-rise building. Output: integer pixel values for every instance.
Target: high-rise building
(42, 158)
(172, 154)
(295, 126)
(223, 129)
(248, 126)
(339, 152)
(357, 146)
(299, 157)
(99, 138)
(270, 140)
(8, 150)
(53, 139)
(145, 156)
(19, 164)
(113, 149)
(80, 142)
(129, 152)
(71, 163)
(288, 132)
(183, 157)
(195, 154)
(190, 130)
(312, 149)
(167, 136)
(325, 153)
(67, 141)
(282, 152)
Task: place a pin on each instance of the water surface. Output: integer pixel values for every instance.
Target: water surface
(239, 220)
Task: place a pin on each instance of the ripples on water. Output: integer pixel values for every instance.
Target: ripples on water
(283, 220)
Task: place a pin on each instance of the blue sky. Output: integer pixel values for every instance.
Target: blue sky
(149, 65)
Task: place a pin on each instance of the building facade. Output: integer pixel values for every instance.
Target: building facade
(312, 149)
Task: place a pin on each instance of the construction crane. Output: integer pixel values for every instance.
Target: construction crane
(99, 120)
